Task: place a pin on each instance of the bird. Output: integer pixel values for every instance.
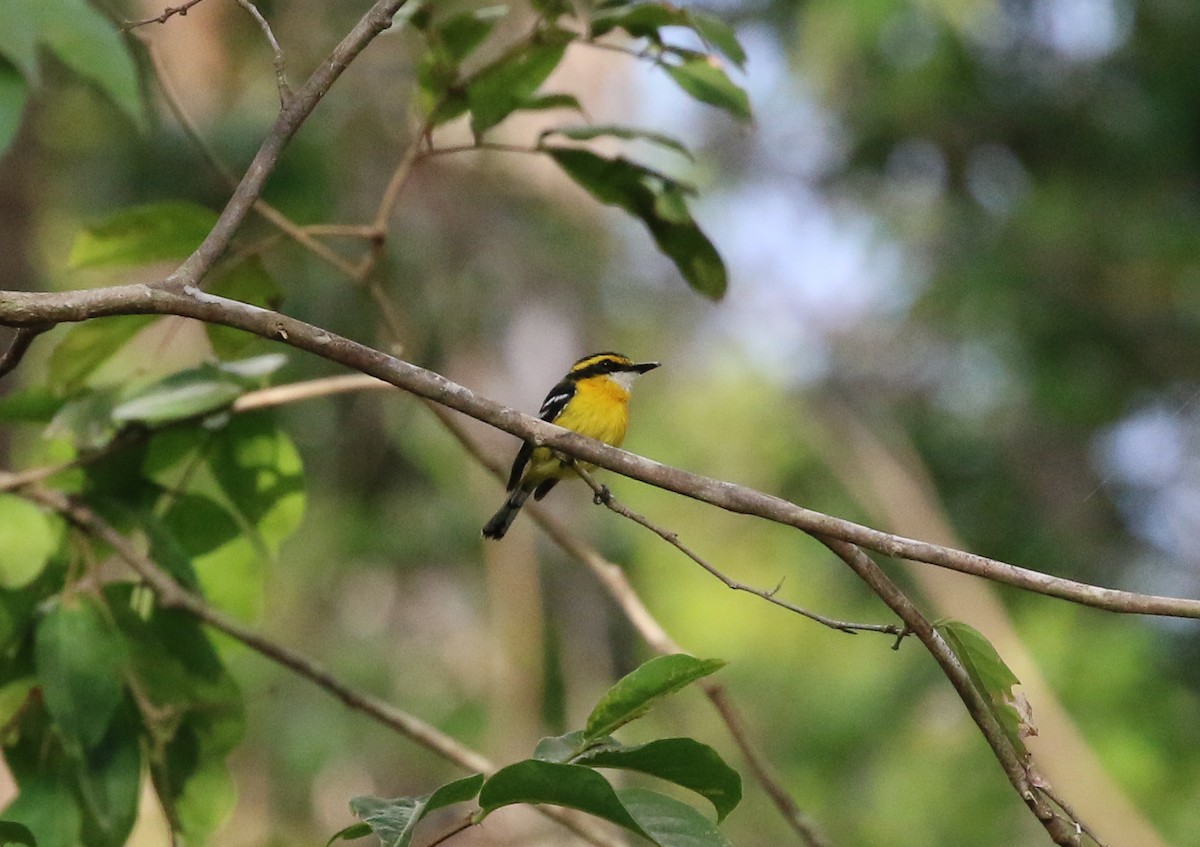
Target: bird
(592, 400)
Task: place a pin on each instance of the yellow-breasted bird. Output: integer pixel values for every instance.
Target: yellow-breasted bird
(593, 400)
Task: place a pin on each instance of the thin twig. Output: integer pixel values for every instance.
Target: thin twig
(285, 91)
(19, 346)
(604, 497)
(171, 595)
(169, 12)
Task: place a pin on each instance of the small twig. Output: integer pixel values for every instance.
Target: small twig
(19, 346)
(604, 497)
(285, 90)
(169, 12)
(462, 825)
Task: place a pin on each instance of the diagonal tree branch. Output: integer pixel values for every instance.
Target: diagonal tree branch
(21, 308)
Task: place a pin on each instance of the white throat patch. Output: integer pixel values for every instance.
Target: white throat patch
(624, 378)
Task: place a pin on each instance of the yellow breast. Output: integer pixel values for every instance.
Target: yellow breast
(599, 409)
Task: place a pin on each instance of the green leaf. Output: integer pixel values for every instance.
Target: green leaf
(27, 538)
(636, 693)
(562, 748)
(13, 94)
(551, 10)
(395, 820)
(12, 832)
(707, 83)
(35, 404)
(683, 761)
(14, 697)
(80, 659)
(109, 781)
(459, 35)
(992, 677)
(88, 345)
(719, 35)
(81, 38)
(188, 394)
(159, 232)
(642, 20)
(670, 822)
(47, 807)
(350, 833)
(587, 133)
(546, 102)
(259, 470)
(573, 786)
(642, 193)
(502, 87)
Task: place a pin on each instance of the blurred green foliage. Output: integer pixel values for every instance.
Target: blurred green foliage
(1035, 167)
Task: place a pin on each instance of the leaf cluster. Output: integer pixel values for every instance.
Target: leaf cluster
(563, 771)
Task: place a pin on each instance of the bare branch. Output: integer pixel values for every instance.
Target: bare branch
(604, 497)
(19, 346)
(285, 91)
(22, 308)
(169, 12)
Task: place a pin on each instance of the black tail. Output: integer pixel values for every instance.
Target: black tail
(502, 520)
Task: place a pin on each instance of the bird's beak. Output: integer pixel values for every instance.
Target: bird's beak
(642, 367)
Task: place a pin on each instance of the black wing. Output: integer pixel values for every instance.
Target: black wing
(557, 400)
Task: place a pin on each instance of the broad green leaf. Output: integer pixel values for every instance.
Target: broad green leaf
(499, 89)
(81, 38)
(12, 832)
(657, 202)
(86, 41)
(46, 806)
(350, 833)
(208, 796)
(86, 421)
(248, 282)
(35, 404)
(255, 368)
(88, 345)
(173, 455)
(642, 20)
(707, 83)
(80, 659)
(394, 821)
(563, 748)
(551, 10)
(683, 761)
(545, 102)
(636, 693)
(13, 697)
(159, 232)
(991, 676)
(573, 786)
(27, 538)
(181, 396)
(719, 35)
(259, 470)
(587, 133)
(670, 822)
(459, 35)
(199, 524)
(13, 94)
(109, 781)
